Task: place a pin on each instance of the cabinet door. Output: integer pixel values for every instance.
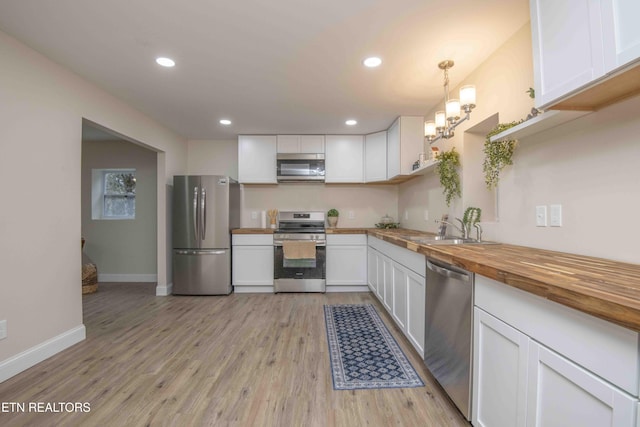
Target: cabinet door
(399, 312)
(621, 32)
(567, 46)
(288, 143)
(499, 373)
(347, 265)
(252, 266)
(415, 310)
(387, 296)
(393, 150)
(344, 158)
(375, 157)
(372, 269)
(380, 280)
(312, 144)
(560, 393)
(257, 159)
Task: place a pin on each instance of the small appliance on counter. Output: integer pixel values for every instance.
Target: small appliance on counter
(300, 252)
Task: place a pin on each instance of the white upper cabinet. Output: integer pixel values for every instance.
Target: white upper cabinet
(578, 42)
(375, 157)
(344, 158)
(257, 159)
(405, 142)
(621, 32)
(300, 144)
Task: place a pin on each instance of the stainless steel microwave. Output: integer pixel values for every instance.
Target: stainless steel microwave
(296, 167)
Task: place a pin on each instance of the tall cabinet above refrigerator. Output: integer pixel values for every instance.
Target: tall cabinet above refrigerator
(205, 209)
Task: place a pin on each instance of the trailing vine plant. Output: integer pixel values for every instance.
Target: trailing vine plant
(447, 169)
(497, 154)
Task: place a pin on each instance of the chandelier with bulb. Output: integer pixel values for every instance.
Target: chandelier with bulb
(446, 121)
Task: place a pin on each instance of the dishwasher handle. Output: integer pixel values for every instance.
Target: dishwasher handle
(447, 272)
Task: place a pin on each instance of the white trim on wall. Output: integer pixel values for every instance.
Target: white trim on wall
(105, 277)
(31, 357)
(163, 291)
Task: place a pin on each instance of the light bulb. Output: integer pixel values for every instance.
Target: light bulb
(430, 128)
(440, 119)
(468, 96)
(453, 110)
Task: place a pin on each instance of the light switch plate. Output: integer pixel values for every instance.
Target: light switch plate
(406, 215)
(555, 215)
(426, 215)
(541, 216)
(352, 215)
(254, 215)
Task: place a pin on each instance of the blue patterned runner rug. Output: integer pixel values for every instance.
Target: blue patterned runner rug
(363, 352)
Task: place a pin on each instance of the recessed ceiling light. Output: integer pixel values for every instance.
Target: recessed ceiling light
(351, 122)
(372, 62)
(165, 62)
(225, 122)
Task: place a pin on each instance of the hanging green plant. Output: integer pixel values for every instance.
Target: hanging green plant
(497, 154)
(447, 168)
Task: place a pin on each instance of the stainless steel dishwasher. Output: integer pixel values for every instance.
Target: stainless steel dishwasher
(448, 331)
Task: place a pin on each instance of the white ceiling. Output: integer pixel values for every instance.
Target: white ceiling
(279, 66)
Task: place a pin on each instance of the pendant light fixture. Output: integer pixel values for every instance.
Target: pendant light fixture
(448, 119)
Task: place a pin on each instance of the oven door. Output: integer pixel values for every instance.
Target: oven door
(299, 275)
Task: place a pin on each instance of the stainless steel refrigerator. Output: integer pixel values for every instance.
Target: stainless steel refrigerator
(205, 209)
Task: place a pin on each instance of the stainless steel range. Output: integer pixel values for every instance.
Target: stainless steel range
(300, 274)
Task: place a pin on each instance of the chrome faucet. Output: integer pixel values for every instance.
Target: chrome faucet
(464, 231)
(478, 231)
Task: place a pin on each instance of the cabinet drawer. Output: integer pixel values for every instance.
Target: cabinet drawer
(346, 239)
(608, 350)
(252, 239)
(412, 260)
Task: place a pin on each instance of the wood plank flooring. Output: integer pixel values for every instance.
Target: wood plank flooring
(240, 360)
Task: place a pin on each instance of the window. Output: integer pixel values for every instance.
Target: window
(114, 194)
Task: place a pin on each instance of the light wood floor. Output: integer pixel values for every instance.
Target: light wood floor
(240, 360)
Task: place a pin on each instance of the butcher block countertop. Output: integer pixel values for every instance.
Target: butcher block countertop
(603, 288)
(347, 230)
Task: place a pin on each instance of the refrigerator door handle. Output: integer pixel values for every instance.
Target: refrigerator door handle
(195, 213)
(201, 252)
(204, 213)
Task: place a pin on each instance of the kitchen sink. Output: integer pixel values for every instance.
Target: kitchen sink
(447, 240)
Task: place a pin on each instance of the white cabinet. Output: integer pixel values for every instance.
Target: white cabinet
(561, 393)
(375, 157)
(538, 363)
(300, 144)
(416, 310)
(346, 262)
(577, 42)
(405, 142)
(499, 373)
(398, 281)
(344, 158)
(252, 263)
(257, 159)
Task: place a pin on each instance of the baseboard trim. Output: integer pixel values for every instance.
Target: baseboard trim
(347, 288)
(146, 278)
(253, 289)
(31, 357)
(163, 291)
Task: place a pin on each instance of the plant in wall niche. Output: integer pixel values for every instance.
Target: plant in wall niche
(447, 169)
(497, 154)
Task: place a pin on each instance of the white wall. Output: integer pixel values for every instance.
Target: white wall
(40, 157)
(589, 166)
(208, 157)
(123, 250)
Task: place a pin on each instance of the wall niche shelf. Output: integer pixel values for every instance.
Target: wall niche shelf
(430, 165)
(547, 120)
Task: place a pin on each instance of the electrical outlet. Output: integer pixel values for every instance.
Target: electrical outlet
(555, 215)
(254, 215)
(406, 215)
(541, 216)
(3, 329)
(351, 215)
(426, 215)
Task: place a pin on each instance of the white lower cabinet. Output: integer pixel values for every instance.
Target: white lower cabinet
(252, 263)
(346, 262)
(537, 363)
(394, 278)
(416, 310)
(563, 394)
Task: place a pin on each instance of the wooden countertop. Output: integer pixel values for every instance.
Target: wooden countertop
(252, 231)
(347, 230)
(603, 288)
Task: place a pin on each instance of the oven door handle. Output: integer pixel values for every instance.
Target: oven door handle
(319, 243)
